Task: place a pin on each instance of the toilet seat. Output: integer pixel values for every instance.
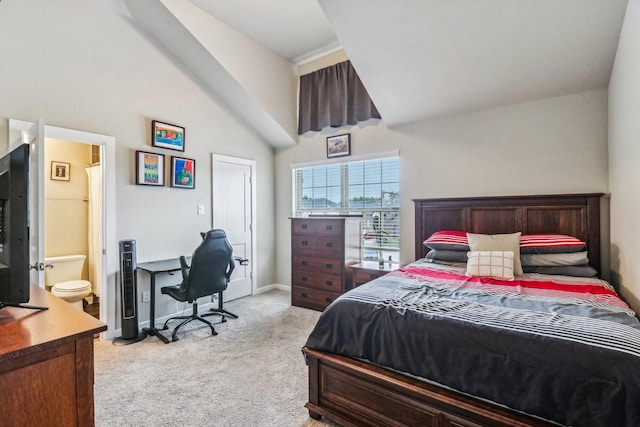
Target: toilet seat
(72, 286)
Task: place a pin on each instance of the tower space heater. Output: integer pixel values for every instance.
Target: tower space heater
(128, 295)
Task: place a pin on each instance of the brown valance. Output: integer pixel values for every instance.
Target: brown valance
(333, 96)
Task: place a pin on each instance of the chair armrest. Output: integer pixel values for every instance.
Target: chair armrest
(230, 268)
(184, 266)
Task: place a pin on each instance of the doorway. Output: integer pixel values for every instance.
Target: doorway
(108, 252)
(233, 197)
(73, 221)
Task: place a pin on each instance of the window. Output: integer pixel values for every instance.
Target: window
(367, 187)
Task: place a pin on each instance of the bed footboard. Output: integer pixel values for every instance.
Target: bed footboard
(353, 393)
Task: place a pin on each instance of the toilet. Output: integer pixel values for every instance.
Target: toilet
(64, 280)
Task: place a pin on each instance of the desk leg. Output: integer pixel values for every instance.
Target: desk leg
(152, 330)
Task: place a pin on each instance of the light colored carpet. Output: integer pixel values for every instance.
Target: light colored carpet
(251, 374)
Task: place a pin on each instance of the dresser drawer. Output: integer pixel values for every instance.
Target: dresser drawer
(318, 244)
(312, 298)
(317, 264)
(317, 226)
(321, 281)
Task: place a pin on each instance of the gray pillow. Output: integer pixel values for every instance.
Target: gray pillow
(554, 260)
(446, 255)
(568, 270)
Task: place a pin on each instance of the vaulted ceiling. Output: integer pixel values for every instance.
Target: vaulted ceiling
(419, 59)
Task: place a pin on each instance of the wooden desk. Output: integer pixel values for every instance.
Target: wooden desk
(46, 363)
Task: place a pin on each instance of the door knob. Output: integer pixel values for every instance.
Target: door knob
(40, 266)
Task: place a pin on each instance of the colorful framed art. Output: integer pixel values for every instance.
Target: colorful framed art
(149, 168)
(165, 135)
(183, 172)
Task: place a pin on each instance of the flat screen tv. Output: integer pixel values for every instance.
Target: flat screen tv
(14, 227)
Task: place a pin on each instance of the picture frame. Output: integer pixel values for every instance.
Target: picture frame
(183, 172)
(339, 145)
(165, 135)
(60, 171)
(150, 168)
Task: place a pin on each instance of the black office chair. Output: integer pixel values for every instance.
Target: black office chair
(210, 271)
(220, 310)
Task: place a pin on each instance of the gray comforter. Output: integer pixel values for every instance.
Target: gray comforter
(563, 349)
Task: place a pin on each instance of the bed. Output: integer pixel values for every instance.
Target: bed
(471, 375)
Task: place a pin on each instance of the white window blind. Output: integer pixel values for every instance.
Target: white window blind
(368, 187)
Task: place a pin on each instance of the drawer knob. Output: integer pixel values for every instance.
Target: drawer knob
(304, 278)
(303, 295)
(329, 244)
(329, 300)
(304, 262)
(329, 227)
(329, 265)
(329, 282)
(303, 226)
(304, 243)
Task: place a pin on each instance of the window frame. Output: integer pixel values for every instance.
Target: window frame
(383, 251)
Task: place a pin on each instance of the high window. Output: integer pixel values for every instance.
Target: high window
(367, 187)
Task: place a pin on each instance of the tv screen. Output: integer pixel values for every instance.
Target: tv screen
(14, 227)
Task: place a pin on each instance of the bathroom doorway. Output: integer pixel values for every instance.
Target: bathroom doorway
(36, 133)
(73, 220)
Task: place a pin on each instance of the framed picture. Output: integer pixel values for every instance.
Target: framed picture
(164, 135)
(149, 168)
(339, 145)
(183, 172)
(60, 171)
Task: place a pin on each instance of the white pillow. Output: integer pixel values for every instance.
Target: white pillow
(498, 242)
(496, 264)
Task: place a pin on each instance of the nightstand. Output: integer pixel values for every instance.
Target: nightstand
(366, 271)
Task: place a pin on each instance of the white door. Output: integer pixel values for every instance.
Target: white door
(233, 212)
(33, 134)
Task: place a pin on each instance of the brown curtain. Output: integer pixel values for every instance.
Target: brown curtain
(333, 96)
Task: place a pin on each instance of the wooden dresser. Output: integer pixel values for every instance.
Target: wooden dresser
(46, 363)
(322, 248)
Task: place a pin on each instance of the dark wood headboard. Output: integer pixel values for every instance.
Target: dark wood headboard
(575, 215)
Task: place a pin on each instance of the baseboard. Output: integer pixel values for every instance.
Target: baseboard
(268, 288)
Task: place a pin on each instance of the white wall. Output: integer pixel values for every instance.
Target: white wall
(269, 78)
(82, 65)
(556, 145)
(624, 157)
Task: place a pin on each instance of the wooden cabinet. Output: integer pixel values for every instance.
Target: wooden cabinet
(321, 250)
(366, 271)
(46, 363)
